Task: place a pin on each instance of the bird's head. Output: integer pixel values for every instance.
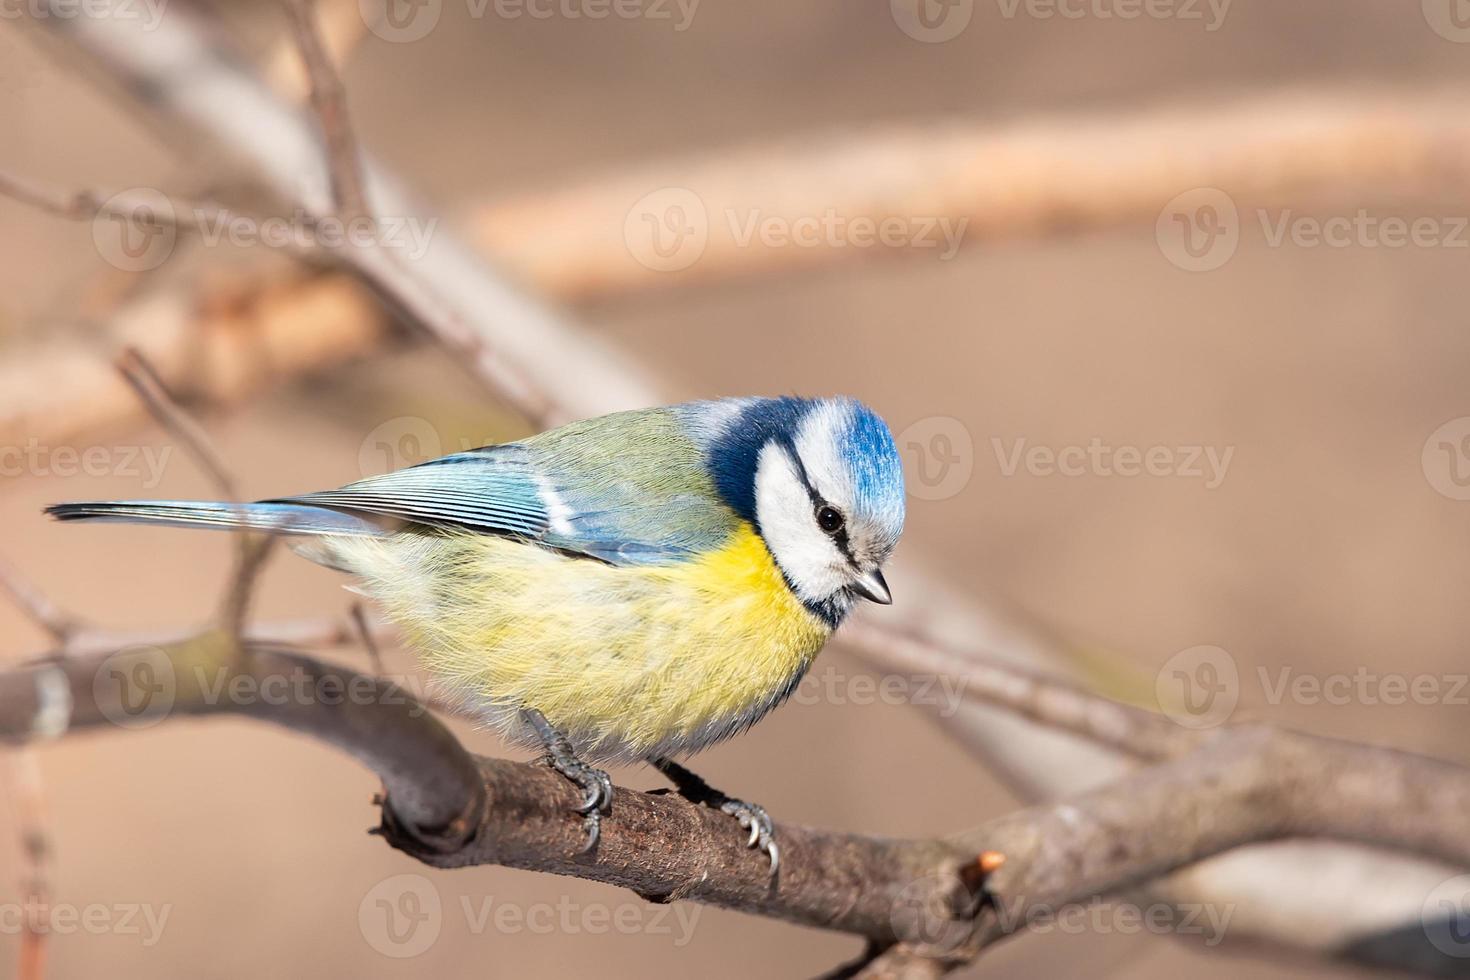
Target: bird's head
(822, 481)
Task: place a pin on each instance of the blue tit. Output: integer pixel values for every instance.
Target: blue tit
(632, 587)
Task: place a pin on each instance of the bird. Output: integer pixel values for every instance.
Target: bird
(630, 588)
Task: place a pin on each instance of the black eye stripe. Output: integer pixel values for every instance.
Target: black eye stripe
(818, 501)
(801, 474)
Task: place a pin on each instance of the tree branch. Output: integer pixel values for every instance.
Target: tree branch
(328, 99)
(989, 180)
(432, 781)
(143, 378)
(942, 900)
(253, 550)
(1048, 701)
(450, 809)
(56, 621)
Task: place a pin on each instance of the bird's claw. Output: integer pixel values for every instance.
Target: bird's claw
(597, 792)
(762, 832)
(596, 785)
(752, 818)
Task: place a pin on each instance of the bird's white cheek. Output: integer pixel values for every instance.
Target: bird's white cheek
(810, 560)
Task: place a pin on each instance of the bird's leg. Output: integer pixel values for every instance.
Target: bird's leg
(595, 784)
(752, 818)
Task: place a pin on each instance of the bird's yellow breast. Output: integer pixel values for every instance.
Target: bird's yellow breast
(628, 661)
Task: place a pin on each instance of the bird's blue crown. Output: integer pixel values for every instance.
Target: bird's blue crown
(859, 439)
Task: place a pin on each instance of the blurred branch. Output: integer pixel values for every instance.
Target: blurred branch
(365, 634)
(143, 378)
(86, 205)
(215, 349)
(328, 98)
(253, 550)
(1048, 701)
(978, 181)
(319, 633)
(187, 76)
(24, 784)
(342, 28)
(60, 624)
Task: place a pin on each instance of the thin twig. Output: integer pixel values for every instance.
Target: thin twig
(60, 624)
(24, 780)
(250, 560)
(253, 549)
(380, 267)
(328, 98)
(144, 379)
(131, 204)
(369, 642)
(78, 206)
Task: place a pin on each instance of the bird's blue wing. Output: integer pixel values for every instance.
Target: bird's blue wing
(629, 489)
(493, 490)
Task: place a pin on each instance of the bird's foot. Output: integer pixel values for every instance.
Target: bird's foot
(756, 820)
(596, 785)
(752, 818)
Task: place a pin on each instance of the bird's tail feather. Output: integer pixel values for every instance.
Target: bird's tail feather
(281, 518)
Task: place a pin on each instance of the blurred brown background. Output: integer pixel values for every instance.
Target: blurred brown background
(1326, 549)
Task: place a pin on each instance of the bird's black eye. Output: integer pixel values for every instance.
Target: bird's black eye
(829, 519)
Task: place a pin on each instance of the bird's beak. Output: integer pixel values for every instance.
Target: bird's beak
(872, 587)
